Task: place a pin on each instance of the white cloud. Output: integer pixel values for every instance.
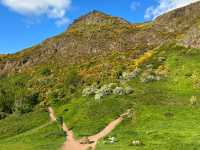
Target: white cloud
(54, 9)
(135, 5)
(165, 6)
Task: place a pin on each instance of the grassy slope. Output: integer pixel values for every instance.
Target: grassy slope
(150, 125)
(29, 132)
(151, 102)
(157, 131)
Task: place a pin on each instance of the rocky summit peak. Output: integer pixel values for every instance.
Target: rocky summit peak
(96, 13)
(96, 17)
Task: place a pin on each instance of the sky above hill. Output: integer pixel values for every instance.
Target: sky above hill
(28, 22)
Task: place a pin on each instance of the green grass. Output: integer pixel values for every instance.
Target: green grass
(164, 120)
(47, 137)
(87, 117)
(14, 125)
(158, 131)
(29, 132)
(151, 101)
(154, 100)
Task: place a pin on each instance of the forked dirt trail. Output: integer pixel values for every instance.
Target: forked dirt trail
(73, 144)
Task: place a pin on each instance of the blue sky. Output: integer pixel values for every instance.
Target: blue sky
(28, 22)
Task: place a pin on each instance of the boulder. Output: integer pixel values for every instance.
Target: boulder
(119, 91)
(136, 143)
(85, 140)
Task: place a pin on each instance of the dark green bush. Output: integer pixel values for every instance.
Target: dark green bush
(15, 96)
(6, 100)
(72, 80)
(25, 101)
(3, 115)
(45, 71)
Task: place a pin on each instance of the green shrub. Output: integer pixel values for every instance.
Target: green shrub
(25, 101)
(22, 106)
(56, 95)
(6, 101)
(105, 90)
(130, 75)
(3, 115)
(72, 80)
(45, 72)
(9, 86)
(89, 91)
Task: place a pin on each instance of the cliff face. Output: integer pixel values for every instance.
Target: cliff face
(185, 22)
(99, 34)
(180, 19)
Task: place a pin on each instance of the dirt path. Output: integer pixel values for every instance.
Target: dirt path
(52, 114)
(73, 144)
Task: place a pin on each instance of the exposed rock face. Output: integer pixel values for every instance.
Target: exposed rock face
(184, 22)
(93, 34)
(99, 34)
(180, 19)
(191, 38)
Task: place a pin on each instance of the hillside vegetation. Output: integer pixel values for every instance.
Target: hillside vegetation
(98, 69)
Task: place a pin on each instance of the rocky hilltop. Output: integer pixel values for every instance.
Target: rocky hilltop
(97, 33)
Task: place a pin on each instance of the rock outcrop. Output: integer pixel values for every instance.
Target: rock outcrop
(97, 33)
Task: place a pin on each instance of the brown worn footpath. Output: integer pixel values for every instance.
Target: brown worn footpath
(73, 144)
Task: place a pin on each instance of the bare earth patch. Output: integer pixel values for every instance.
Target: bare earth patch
(73, 144)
